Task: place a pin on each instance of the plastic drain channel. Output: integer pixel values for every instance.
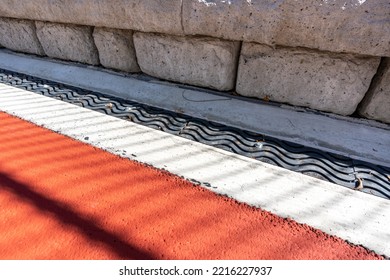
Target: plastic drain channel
(313, 162)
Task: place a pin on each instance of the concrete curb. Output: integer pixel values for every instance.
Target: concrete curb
(340, 135)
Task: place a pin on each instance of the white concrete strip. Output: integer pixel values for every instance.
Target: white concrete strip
(355, 139)
(357, 217)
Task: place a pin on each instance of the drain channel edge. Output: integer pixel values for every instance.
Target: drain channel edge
(313, 162)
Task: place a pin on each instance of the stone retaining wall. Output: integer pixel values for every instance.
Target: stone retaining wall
(328, 55)
(206, 62)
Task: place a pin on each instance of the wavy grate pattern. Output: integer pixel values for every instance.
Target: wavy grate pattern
(313, 162)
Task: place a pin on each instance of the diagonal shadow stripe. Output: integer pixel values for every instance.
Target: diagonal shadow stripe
(65, 215)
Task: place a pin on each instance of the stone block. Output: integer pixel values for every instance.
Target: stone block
(116, 49)
(352, 26)
(376, 104)
(68, 42)
(19, 35)
(162, 16)
(205, 62)
(322, 81)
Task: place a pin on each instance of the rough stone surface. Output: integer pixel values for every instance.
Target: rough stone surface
(19, 35)
(68, 42)
(205, 62)
(322, 81)
(162, 16)
(376, 104)
(356, 26)
(116, 49)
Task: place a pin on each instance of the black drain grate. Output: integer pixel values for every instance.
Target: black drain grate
(323, 165)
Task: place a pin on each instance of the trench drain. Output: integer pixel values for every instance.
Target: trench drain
(326, 166)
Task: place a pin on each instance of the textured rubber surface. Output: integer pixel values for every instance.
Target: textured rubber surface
(309, 161)
(62, 199)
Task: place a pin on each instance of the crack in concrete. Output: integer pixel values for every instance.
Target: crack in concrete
(181, 16)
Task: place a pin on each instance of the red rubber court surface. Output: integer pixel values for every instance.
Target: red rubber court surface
(62, 199)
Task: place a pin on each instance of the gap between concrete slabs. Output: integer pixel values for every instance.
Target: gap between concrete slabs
(354, 216)
(339, 135)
